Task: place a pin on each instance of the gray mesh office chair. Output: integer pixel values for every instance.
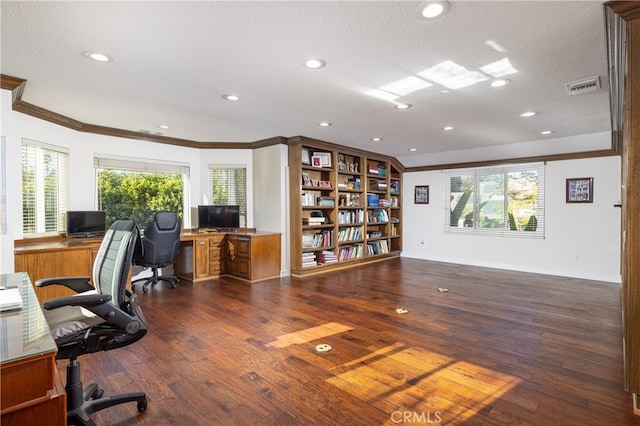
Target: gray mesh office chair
(99, 318)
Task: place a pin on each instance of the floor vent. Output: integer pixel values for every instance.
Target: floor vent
(583, 86)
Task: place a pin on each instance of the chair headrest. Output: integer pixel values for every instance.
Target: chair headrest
(166, 220)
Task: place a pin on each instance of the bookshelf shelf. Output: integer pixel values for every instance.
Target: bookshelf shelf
(332, 225)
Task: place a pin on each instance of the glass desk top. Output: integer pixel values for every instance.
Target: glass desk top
(23, 332)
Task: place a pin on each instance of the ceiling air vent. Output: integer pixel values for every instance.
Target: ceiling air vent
(583, 86)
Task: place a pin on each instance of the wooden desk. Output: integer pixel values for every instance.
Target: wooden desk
(248, 256)
(32, 390)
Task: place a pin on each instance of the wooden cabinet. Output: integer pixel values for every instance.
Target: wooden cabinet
(55, 257)
(250, 256)
(345, 210)
(31, 388)
(253, 257)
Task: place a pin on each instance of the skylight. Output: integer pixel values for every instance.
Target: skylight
(452, 76)
(405, 85)
(499, 68)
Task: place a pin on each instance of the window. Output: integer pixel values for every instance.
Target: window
(45, 177)
(131, 189)
(501, 201)
(228, 187)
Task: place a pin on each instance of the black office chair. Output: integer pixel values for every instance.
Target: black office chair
(98, 318)
(160, 242)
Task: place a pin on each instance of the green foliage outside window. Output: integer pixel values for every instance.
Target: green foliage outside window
(138, 195)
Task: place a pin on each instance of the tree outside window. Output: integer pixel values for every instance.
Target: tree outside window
(507, 201)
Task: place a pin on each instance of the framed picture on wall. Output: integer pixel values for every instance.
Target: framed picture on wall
(422, 194)
(580, 190)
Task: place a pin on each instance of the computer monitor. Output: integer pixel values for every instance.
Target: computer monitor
(84, 224)
(219, 217)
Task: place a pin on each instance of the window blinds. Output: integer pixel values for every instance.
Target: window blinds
(227, 185)
(45, 183)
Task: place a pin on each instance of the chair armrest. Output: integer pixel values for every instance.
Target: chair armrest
(86, 301)
(77, 284)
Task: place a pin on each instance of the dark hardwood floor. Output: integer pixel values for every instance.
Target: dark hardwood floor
(500, 347)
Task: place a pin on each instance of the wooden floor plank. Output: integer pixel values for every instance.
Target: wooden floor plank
(500, 347)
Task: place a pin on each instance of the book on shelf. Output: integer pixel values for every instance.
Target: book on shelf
(326, 256)
(313, 220)
(351, 233)
(377, 216)
(372, 200)
(395, 202)
(309, 259)
(354, 251)
(317, 240)
(378, 185)
(351, 216)
(395, 186)
(382, 169)
(377, 247)
(372, 167)
(374, 234)
(308, 199)
(383, 202)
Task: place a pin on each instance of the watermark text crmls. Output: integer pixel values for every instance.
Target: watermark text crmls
(413, 417)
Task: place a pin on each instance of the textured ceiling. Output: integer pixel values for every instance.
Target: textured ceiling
(173, 61)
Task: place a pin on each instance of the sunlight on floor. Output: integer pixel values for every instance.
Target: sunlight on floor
(399, 378)
(309, 334)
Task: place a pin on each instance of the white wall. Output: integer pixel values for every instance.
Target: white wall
(589, 233)
(82, 147)
(270, 177)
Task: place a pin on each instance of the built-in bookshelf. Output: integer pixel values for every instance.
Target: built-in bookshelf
(345, 206)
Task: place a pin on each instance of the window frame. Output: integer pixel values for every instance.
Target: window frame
(39, 196)
(136, 165)
(505, 231)
(244, 218)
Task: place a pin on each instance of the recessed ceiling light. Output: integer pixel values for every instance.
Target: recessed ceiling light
(403, 106)
(501, 82)
(449, 128)
(163, 126)
(546, 132)
(413, 149)
(528, 114)
(231, 97)
(433, 9)
(324, 124)
(376, 139)
(97, 56)
(314, 63)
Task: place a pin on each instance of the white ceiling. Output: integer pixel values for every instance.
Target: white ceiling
(173, 61)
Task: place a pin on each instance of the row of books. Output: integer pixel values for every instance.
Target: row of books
(320, 239)
(351, 216)
(350, 234)
(355, 251)
(377, 216)
(377, 247)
